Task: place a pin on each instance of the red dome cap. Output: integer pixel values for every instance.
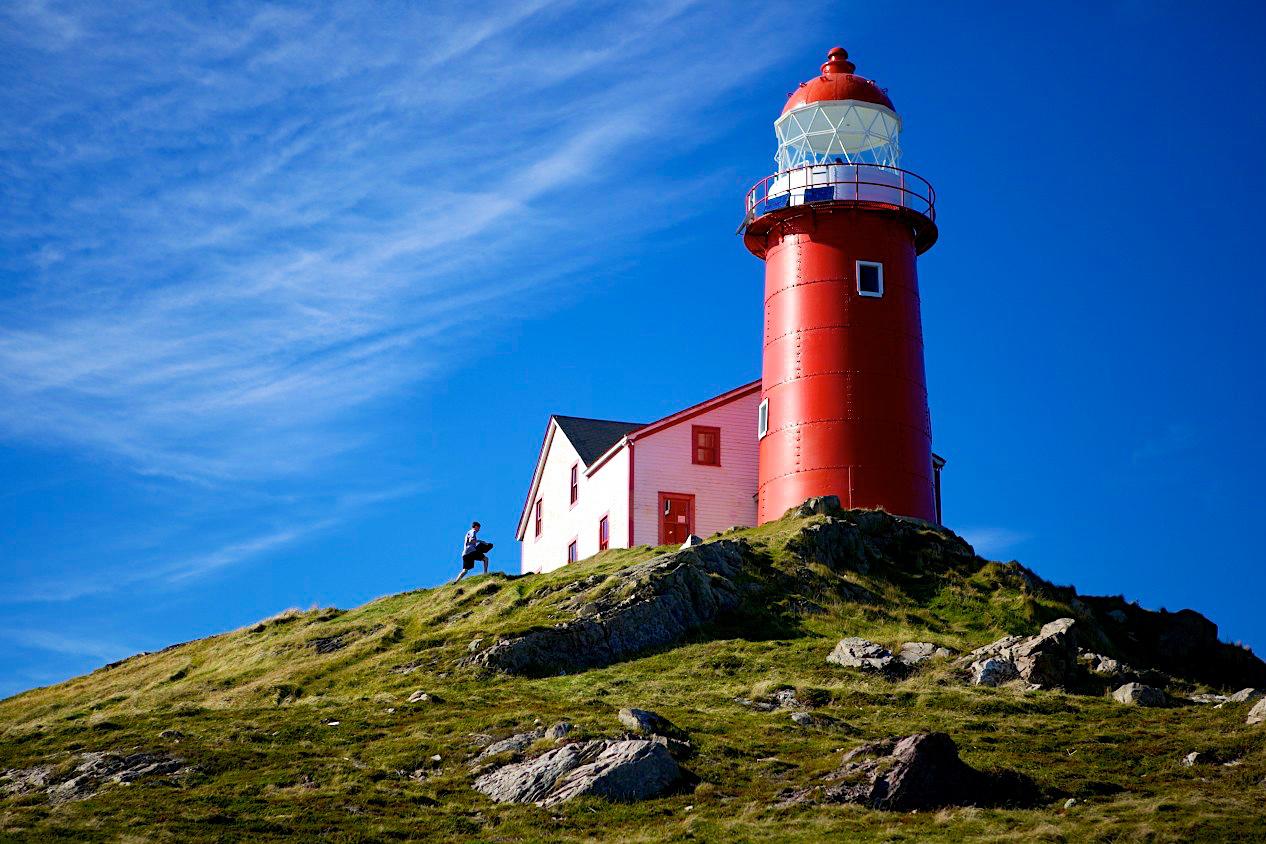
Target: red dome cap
(837, 82)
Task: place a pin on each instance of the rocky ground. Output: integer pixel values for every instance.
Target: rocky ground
(840, 674)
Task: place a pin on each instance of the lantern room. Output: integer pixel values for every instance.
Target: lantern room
(838, 118)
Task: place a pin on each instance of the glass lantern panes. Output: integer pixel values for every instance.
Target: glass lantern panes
(842, 131)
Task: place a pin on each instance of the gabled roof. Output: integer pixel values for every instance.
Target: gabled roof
(596, 440)
(592, 437)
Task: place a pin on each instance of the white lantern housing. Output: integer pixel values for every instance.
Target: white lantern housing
(838, 132)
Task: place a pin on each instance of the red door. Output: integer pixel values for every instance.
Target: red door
(677, 517)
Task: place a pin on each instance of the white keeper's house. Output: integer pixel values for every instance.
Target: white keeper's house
(601, 484)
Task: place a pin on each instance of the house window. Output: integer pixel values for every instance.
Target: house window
(575, 483)
(870, 278)
(604, 533)
(707, 446)
(539, 502)
(571, 552)
(762, 419)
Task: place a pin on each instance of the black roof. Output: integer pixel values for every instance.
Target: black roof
(592, 437)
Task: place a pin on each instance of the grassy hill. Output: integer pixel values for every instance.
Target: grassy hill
(300, 725)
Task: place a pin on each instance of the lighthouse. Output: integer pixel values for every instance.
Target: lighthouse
(843, 406)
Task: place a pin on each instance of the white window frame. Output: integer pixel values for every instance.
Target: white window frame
(878, 266)
(762, 419)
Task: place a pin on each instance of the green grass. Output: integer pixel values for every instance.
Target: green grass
(253, 706)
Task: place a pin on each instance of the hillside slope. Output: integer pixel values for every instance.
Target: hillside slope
(302, 725)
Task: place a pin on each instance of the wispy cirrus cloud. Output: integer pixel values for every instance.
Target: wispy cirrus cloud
(231, 232)
(69, 645)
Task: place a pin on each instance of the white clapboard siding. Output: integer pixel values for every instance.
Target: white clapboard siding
(724, 495)
(605, 492)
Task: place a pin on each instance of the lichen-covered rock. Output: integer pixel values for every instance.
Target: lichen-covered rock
(822, 505)
(1106, 666)
(671, 596)
(516, 743)
(855, 652)
(90, 772)
(917, 772)
(913, 653)
(1047, 660)
(1245, 695)
(992, 672)
(559, 730)
(649, 723)
(1257, 714)
(1140, 695)
(620, 771)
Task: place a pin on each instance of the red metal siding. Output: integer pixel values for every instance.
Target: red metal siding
(848, 412)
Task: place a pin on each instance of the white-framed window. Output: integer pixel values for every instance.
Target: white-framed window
(870, 279)
(762, 419)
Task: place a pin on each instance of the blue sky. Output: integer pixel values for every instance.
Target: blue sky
(288, 292)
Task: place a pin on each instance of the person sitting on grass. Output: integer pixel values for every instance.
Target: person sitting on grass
(473, 549)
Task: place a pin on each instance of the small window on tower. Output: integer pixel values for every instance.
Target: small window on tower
(539, 507)
(762, 419)
(575, 483)
(707, 446)
(571, 552)
(870, 278)
(604, 533)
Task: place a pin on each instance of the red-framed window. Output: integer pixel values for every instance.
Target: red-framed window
(706, 450)
(604, 533)
(575, 483)
(572, 554)
(539, 507)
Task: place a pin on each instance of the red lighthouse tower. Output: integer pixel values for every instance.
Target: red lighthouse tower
(844, 407)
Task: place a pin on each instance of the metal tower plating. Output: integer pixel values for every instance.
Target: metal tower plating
(844, 407)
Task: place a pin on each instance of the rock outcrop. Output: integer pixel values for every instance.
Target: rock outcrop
(855, 652)
(620, 771)
(1182, 644)
(914, 653)
(918, 772)
(670, 596)
(1257, 714)
(90, 773)
(1047, 660)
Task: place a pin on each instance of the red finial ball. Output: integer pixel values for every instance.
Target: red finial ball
(837, 62)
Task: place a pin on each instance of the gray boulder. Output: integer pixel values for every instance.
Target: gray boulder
(691, 541)
(671, 596)
(913, 653)
(620, 771)
(1245, 695)
(1047, 660)
(1257, 714)
(1140, 695)
(648, 723)
(559, 730)
(90, 773)
(992, 672)
(1216, 700)
(821, 505)
(1106, 666)
(855, 652)
(918, 772)
(516, 743)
